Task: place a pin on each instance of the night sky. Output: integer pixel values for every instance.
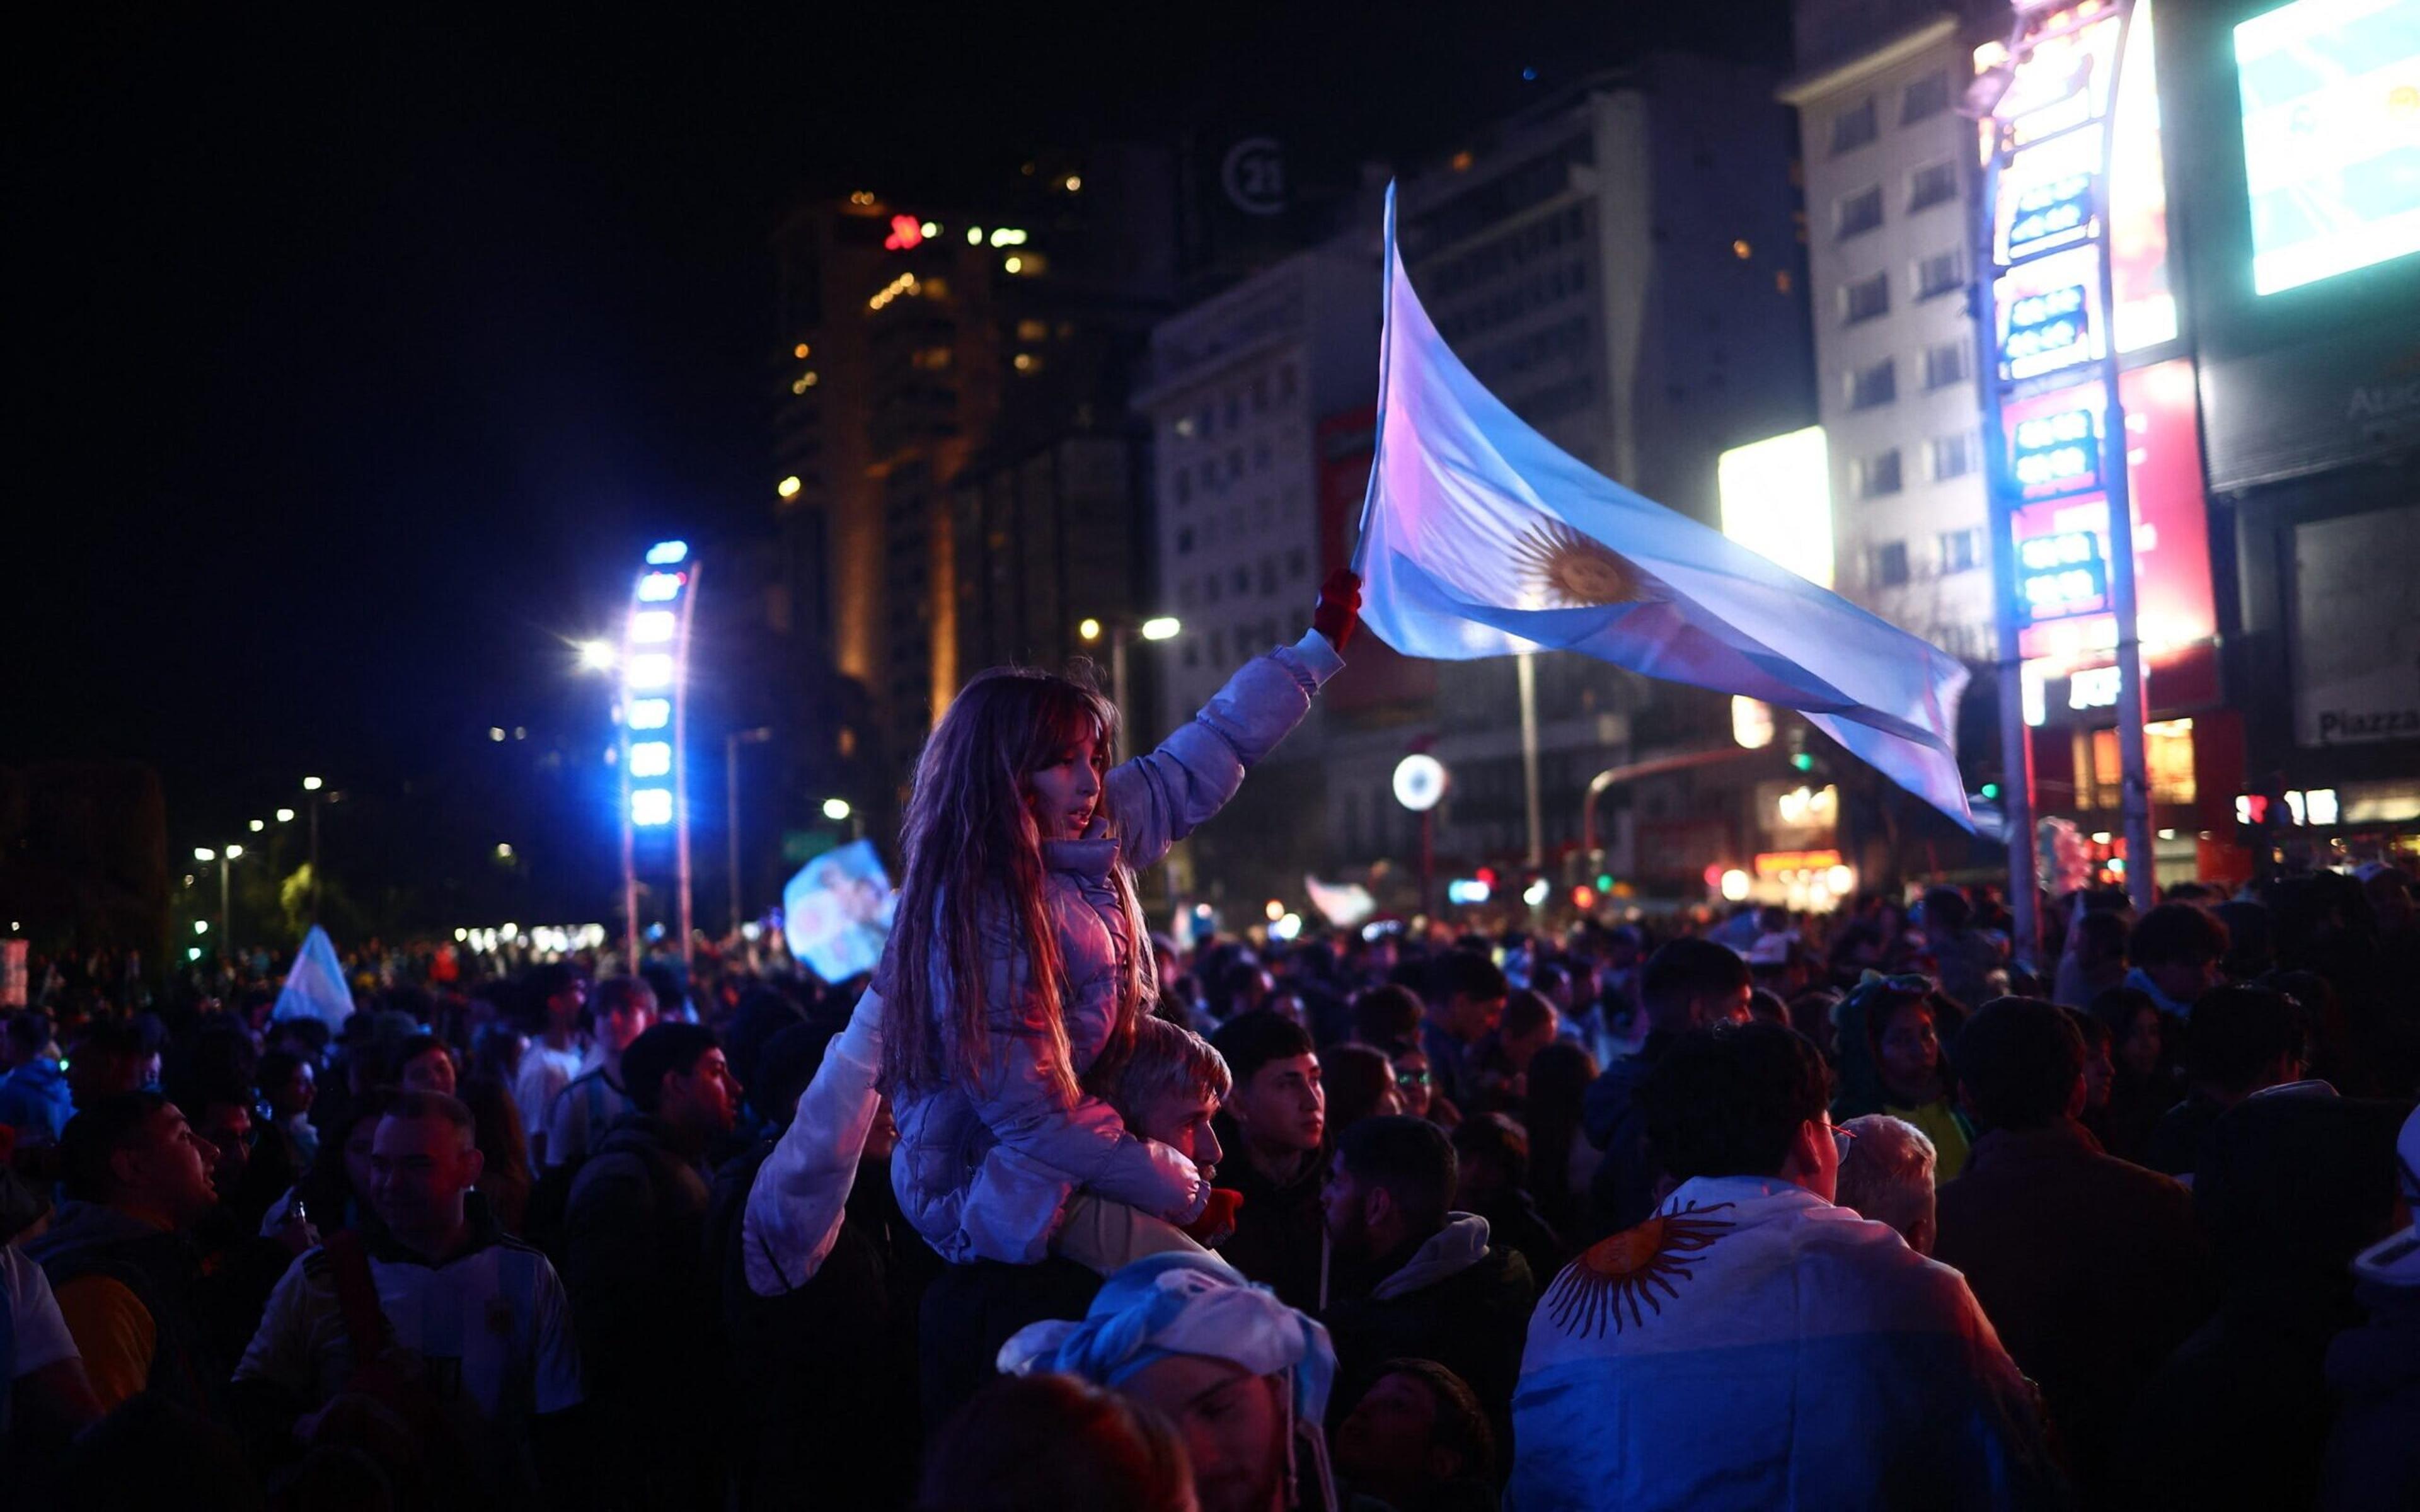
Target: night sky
(351, 357)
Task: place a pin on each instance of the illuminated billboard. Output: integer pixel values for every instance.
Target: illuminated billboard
(2331, 101)
(2061, 536)
(1776, 500)
(2050, 194)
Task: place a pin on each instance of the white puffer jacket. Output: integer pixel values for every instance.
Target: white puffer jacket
(982, 1169)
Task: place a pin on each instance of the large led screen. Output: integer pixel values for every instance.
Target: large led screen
(2331, 136)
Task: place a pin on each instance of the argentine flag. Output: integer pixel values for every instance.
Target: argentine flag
(1480, 537)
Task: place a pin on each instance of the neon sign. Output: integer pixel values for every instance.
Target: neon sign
(2061, 576)
(906, 232)
(2050, 456)
(2050, 214)
(2046, 332)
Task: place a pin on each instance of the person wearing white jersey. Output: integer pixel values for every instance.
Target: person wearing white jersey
(438, 1317)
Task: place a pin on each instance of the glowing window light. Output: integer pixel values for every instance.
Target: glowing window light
(650, 807)
(284, 816)
(667, 553)
(652, 626)
(788, 487)
(1006, 236)
(1014, 264)
(651, 758)
(661, 587)
(650, 714)
(930, 229)
(974, 236)
(651, 670)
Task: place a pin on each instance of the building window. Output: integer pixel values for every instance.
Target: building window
(1961, 551)
(1853, 127)
(1858, 213)
(1890, 565)
(1933, 184)
(1261, 395)
(1185, 593)
(1240, 580)
(1945, 365)
(1209, 422)
(1185, 542)
(1872, 477)
(1954, 456)
(1876, 384)
(1260, 451)
(1210, 588)
(1235, 457)
(1296, 564)
(2167, 761)
(1937, 275)
(1184, 487)
(1192, 653)
(1285, 381)
(1219, 648)
(1866, 299)
(1268, 576)
(1924, 98)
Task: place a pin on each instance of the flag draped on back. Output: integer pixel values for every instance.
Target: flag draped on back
(1480, 537)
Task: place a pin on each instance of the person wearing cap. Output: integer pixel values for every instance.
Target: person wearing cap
(2373, 1457)
(1244, 1377)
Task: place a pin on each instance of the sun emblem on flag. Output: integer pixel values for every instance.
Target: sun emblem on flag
(1634, 1264)
(1572, 570)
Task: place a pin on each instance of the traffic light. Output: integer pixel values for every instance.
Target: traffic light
(1803, 761)
(1991, 790)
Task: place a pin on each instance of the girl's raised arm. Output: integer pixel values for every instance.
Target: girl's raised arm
(1158, 799)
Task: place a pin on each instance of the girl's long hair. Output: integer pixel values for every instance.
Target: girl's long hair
(971, 849)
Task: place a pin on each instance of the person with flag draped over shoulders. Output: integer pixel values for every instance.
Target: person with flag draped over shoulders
(1752, 1345)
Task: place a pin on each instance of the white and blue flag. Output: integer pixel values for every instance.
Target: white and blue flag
(1480, 537)
(314, 985)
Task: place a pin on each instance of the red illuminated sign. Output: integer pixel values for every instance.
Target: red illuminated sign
(2173, 603)
(906, 232)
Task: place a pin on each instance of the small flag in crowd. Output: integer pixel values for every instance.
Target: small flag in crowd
(1480, 537)
(314, 987)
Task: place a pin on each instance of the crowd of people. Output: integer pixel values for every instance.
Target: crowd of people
(1574, 1221)
(1054, 1212)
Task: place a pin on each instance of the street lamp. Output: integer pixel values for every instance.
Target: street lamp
(731, 744)
(284, 816)
(1158, 628)
(837, 809)
(596, 655)
(313, 786)
(1419, 782)
(204, 854)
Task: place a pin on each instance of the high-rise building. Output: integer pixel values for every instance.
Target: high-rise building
(1236, 389)
(1889, 166)
(954, 478)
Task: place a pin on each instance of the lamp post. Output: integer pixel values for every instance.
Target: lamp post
(1120, 632)
(224, 856)
(313, 787)
(1420, 781)
(731, 744)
